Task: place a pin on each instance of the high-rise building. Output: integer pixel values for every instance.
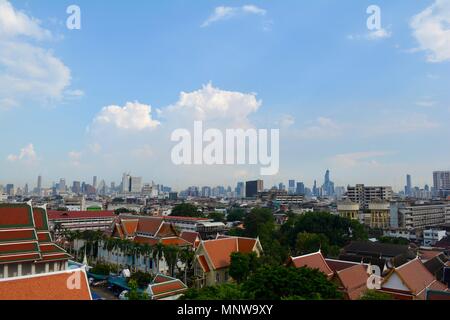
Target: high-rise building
(300, 188)
(125, 183)
(364, 194)
(240, 190)
(135, 185)
(10, 189)
(441, 180)
(253, 187)
(62, 185)
(76, 187)
(408, 187)
(328, 185)
(39, 185)
(94, 182)
(291, 188)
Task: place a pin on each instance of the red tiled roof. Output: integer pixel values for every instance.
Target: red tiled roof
(53, 286)
(15, 216)
(40, 219)
(149, 225)
(426, 255)
(142, 240)
(190, 236)
(312, 261)
(17, 235)
(417, 278)
(166, 230)
(61, 215)
(354, 281)
(175, 218)
(163, 287)
(203, 263)
(338, 265)
(175, 242)
(130, 226)
(220, 250)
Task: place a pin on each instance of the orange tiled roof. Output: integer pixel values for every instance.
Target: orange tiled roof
(190, 236)
(130, 227)
(313, 261)
(164, 286)
(149, 225)
(220, 250)
(53, 286)
(417, 278)
(203, 263)
(354, 281)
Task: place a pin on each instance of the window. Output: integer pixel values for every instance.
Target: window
(217, 277)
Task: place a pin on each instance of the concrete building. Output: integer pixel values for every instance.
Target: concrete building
(366, 194)
(253, 187)
(422, 215)
(378, 216)
(348, 209)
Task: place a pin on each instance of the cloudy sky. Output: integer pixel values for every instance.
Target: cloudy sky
(370, 105)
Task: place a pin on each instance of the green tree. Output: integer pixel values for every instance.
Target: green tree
(242, 265)
(259, 223)
(280, 282)
(228, 291)
(376, 295)
(236, 215)
(216, 216)
(311, 242)
(186, 210)
(133, 293)
(124, 210)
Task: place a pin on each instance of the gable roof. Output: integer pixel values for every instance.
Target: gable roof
(377, 249)
(417, 278)
(312, 261)
(190, 236)
(338, 265)
(49, 286)
(219, 251)
(164, 286)
(63, 215)
(354, 281)
(25, 237)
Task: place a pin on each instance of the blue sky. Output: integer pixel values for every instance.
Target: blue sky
(370, 108)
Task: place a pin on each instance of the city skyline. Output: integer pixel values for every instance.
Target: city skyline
(370, 106)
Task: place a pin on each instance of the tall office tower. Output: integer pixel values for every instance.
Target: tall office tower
(281, 186)
(300, 188)
(10, 189)
(328, 185)
(94, 182)
(126, 183)
(240, 190)
(253, 187)
(408, 187)
(206, 192)
(76, 187)
(113, 186)
(441, 180)
(62, 185)
(25, 190)
(291, 188)
(315, 190)
(135, 184)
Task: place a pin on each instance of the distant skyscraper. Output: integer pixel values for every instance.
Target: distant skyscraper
(10, 189)
(291, 184)
(62, 185)
(240, 190)
(328, 185)
(253, 187)
(408, 187)
(39, 185)
(441, 180)
(76, 187)
(300, 188)
(135, 185)
(94, 182)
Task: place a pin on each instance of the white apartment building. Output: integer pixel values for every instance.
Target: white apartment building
(421, 216)
(366, 194)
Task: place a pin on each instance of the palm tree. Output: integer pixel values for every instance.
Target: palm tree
(187, 256)
(158, 250)
(171, 255)
(146, 251)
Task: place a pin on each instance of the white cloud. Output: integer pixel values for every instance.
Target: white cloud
(224, 13)
(373, 35)
(210, 103)
(426, 103)
(29, 72)
(431, 30)
(27, 155)
(144, 152)
(14, 23)
(75, 158)
(366, 158)
(379, 34)
(286, 121)
(134, 116)
(323, 128)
